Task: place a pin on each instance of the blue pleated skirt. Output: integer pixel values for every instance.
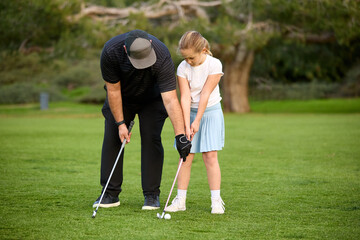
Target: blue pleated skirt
(211, 134)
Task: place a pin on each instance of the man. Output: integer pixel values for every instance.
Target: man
(139, 79)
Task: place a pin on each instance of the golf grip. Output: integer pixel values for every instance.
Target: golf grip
(117, 159)
(131, 126)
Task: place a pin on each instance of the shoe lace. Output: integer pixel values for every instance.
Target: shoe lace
(176, 201)
(151, 199)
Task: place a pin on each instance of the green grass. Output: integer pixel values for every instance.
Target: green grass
(284, 176)
(56, 109)
(351, 105)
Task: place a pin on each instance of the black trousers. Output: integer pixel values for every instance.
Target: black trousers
(151, 116)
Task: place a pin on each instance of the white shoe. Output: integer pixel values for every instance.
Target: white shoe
(178, 204)
(217, 206)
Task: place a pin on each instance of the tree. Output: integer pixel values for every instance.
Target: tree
(307, 22)
(237, 29)
(34, 22)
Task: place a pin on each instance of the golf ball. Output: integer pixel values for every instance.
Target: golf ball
(167, 216)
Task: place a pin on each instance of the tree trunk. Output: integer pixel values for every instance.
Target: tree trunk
(236, 79)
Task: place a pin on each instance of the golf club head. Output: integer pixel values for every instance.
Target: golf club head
(160, 216)
(94, 214)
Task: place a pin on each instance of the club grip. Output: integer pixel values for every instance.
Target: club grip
(131, 126)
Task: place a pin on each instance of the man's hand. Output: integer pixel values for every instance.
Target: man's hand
(124, 133)
(183, 146)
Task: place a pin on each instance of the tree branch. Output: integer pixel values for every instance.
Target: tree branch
(312, 38)
(161, 9)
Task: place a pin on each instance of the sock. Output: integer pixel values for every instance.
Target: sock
(181, 193)
(215, 193)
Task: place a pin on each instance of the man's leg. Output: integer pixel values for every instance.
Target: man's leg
(110, 150)
(151, 119)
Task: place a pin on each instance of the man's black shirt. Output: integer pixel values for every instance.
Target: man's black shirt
(137, 85)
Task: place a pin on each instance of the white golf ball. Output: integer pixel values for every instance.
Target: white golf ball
(167, 216)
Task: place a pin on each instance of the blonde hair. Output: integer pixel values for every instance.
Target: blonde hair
(194, 40)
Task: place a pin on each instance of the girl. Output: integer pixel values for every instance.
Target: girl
(198, 77)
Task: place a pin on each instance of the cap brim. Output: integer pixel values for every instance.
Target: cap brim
(145, 62)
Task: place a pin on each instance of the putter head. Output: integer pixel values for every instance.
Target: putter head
(94, 214)
(160, 216)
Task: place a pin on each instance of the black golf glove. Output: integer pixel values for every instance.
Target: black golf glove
(183, 146)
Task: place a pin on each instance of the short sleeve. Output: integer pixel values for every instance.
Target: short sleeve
(107, 70)
(215, 67)
(181, 70)
(166, 77)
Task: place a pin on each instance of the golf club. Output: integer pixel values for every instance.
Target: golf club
(172, 187)
(112, 171)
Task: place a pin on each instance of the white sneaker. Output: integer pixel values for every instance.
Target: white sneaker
(217, 206)
(178, 204)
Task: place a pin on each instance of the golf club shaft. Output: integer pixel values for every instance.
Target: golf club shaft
(112, 171)
(172, 187)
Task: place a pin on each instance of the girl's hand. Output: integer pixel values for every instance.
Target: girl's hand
(194, 128)
(188, 133)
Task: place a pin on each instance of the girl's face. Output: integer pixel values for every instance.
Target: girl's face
(193, 58)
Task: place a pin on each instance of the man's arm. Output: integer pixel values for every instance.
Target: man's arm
(115, 103)
(174, 111)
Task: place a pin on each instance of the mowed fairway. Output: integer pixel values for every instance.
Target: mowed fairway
(284, 176)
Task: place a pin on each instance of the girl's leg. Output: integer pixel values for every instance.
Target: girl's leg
(178, 204)
(214, 179)
(185, 172)
(212, 169)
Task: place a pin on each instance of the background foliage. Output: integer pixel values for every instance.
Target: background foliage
(42, 50)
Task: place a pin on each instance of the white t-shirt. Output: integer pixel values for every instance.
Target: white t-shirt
(197, 77)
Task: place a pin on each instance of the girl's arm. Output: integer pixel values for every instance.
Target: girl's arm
(209, 86)
(185, 99)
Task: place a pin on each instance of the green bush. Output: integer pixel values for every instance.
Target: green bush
(36, 22)
(96, 95)
(72, 78)
(351, 86)
(19, 93)
(297, 91)
(16, 67)
(78, 80)
(289, 62)
(26, 93)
